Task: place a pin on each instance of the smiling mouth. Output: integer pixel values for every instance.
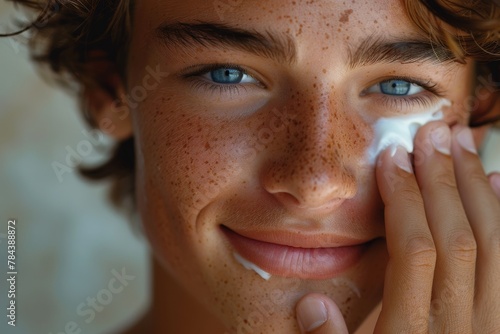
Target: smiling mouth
(281, 259)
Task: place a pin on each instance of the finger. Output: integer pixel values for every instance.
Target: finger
(483, 211)
(494, 179)
(412, 255)
(453, 287)
(317, 314)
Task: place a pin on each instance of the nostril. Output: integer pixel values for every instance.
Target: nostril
(290, 201)
(287, 199)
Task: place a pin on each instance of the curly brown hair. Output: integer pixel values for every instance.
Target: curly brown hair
(65, 33)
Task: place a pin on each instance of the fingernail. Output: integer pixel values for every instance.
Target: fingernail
(311, 313)
(464, 139)
(401, 159)
(441, 139)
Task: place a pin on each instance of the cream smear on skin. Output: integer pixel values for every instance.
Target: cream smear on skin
(250, 266)
(401, 130)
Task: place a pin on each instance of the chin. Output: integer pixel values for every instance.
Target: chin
(271, 309)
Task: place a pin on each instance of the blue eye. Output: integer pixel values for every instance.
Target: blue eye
(226, 76)
(223, 78)
(396, 87)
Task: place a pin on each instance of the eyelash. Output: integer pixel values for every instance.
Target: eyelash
(392, 100)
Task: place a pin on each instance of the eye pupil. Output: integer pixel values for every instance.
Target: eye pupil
(226, 75)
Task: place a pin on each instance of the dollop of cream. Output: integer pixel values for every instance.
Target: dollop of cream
(401, 130)
(250, 266)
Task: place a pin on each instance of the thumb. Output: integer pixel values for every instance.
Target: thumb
(318, 314)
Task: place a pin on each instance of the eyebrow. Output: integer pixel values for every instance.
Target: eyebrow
(374, 49)
(281, 47)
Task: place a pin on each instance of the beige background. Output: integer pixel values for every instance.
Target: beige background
(69, 240)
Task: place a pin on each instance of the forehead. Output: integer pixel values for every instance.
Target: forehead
(297, 17)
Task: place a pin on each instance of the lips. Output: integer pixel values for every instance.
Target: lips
(292, 255)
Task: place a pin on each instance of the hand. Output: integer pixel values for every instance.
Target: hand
(443, 238)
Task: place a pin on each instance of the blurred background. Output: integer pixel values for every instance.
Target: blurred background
(78, 260)
(70, 243)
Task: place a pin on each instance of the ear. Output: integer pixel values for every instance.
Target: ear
(103, 98)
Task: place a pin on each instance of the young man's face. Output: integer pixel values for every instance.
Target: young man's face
(266, 137)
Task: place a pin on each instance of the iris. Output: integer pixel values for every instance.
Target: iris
(226, 76)
(395, 87)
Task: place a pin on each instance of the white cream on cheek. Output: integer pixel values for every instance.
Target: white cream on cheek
(250, 266)
(401, 130)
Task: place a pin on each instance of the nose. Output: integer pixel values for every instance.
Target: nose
(312, 171)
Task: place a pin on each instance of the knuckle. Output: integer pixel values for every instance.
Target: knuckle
(463, 246)
(477, 177)
(420, 252)
(444, 180)
(475, 173)
(412, 195)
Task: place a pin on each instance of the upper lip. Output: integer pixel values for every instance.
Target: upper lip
(300, 239)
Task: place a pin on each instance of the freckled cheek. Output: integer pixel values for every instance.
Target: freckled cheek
(352, 139)
(361, 137)
(193, 160)
(356, 159)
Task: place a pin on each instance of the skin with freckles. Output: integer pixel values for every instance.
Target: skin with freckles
(285, 150)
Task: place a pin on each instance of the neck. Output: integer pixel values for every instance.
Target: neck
(174, 310)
